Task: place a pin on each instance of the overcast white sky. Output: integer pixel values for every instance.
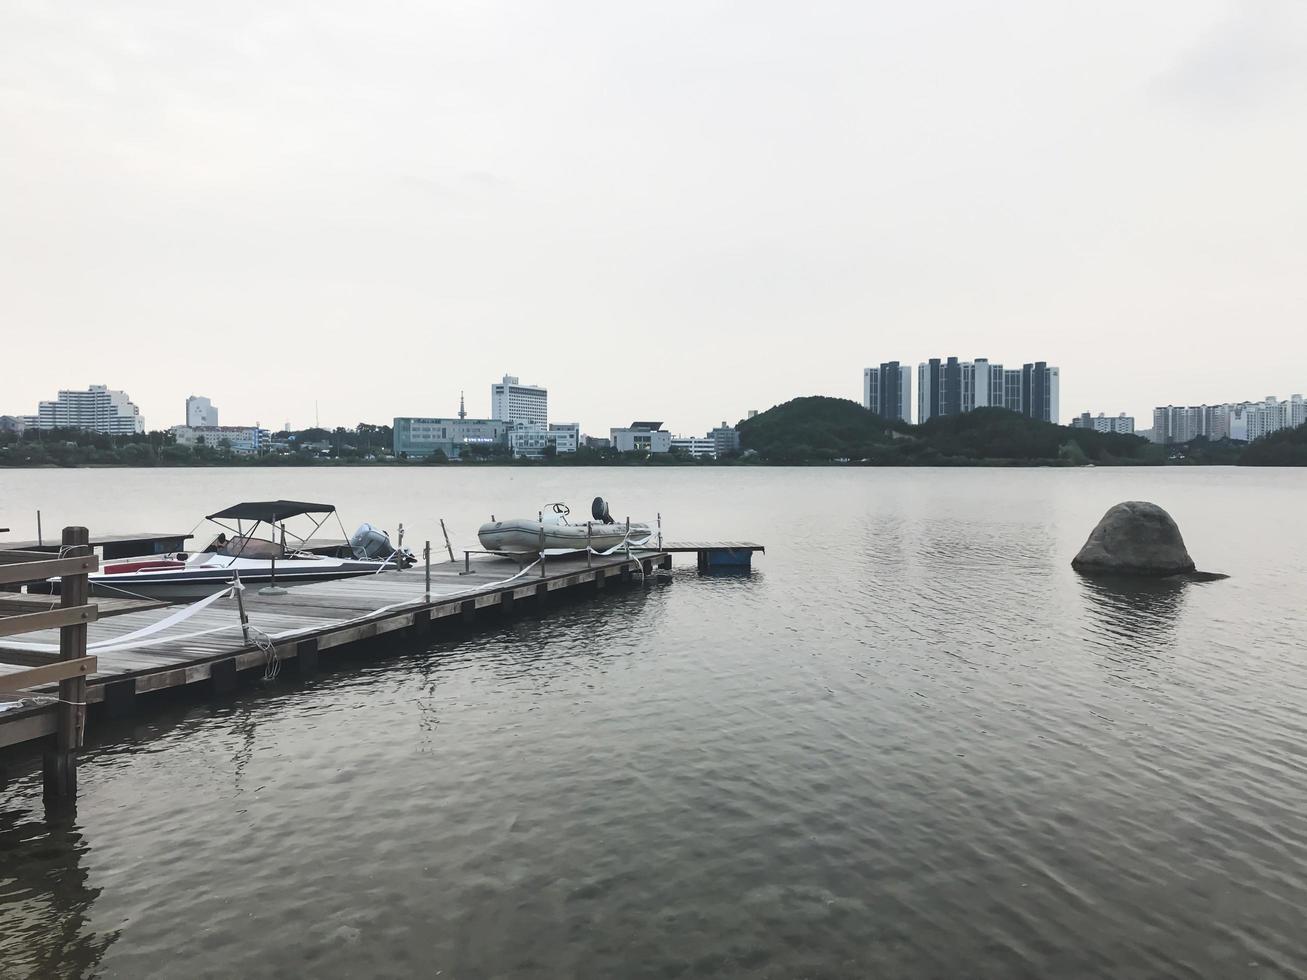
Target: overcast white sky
(679, 210)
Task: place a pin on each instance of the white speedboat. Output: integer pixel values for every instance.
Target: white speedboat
(551, 531)
(258, 561)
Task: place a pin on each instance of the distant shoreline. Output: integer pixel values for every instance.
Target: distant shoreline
(655, 464)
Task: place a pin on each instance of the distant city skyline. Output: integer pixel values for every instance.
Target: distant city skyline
(509, 398)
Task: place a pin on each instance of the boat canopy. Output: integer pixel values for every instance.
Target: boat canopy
(271, 511)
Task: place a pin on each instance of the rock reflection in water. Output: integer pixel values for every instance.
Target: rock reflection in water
(1141, 611)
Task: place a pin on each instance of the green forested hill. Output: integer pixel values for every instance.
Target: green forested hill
(819, 429)
(1288, 447)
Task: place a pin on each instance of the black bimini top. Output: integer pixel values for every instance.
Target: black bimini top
(271, 511)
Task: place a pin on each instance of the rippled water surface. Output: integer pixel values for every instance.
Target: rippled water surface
(913, 743)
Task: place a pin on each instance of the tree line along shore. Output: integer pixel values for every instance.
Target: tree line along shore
(810, 431)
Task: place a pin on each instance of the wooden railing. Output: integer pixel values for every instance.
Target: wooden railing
(71, 666)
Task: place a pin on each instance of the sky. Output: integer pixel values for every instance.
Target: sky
(676, 211)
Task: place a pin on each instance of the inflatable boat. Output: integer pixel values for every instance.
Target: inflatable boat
(551, 531)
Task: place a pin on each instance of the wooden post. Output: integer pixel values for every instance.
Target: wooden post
(448, 547)
(660, 532)
(240, 605)
(589, 549)
(60, 766)
(426, 553)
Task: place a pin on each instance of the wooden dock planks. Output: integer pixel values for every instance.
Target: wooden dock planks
(327, 614)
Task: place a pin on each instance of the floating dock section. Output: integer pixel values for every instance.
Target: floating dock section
(258, 633)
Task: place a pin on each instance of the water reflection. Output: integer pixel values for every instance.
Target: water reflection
(1142, 612)
(46, 900)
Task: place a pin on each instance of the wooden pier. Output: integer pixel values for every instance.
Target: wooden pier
(252, 632)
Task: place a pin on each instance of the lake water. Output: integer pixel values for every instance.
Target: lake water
(913, 743)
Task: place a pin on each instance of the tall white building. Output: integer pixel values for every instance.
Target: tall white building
(97, 409)
(200, 412)
(887, 390)
(511, 401)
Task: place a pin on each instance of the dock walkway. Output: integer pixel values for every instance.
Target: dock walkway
(298, 625)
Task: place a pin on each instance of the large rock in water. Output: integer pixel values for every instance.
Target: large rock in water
(1135, 538)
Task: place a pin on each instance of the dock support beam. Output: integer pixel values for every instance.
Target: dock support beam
(59, 767)
(222, 674)
(306, 657)
(120, 698)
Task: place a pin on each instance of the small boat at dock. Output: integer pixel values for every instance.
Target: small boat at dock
(551, 530)
(281, 557)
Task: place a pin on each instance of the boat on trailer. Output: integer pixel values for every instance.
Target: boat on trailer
(282, 557)
(552, 531)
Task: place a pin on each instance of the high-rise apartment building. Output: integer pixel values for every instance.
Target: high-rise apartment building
(949, 386)
(1241, 421)
(200, 412)
(1039, 392)
(97, 409)
(511, 401)
(1011, 390)
(887, 390)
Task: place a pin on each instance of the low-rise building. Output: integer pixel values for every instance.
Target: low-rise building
(414, 438)
(699, 447)
(528, 440)
(725, 439)
(647, 437)
(532, 440)
(1103, 423)
(243, 440)
(564, 436)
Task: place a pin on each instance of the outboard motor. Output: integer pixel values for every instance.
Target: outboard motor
(370, 542)
(599, 511)
(374, 544)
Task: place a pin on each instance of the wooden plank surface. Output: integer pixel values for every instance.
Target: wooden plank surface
(22, 602)
(684, 546)
(333, 614)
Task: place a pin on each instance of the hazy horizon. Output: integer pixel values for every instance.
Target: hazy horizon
(679, 212)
